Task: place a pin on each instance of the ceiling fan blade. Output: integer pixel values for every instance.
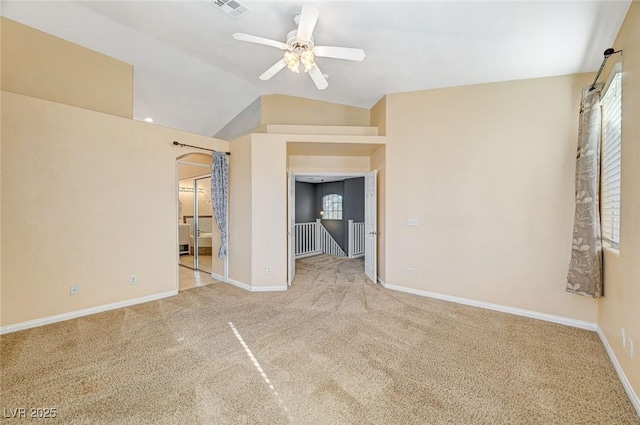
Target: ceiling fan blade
(259, 40)
(339, 53)
(308, 20)
(273, 70)
(318, 78)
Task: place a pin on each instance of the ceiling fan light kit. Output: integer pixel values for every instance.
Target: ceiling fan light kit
(294, 60)
(300, 50)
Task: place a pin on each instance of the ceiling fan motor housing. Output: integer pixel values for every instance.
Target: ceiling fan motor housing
(297, 45)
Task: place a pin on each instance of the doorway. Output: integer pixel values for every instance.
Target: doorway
(326, 225)
(199, 237)
(197, 222)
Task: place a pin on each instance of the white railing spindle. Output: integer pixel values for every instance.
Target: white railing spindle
(306, 239)
(352, 242)
(356, 239)
(313, 238)
(319, 242)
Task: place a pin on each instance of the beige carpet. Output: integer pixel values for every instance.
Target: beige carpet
(333, 349)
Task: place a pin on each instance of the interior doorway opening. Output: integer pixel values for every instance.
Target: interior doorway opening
(332, 214)
(196, 223)
(199, 237)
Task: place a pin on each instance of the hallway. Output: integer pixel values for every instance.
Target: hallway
(329, 269)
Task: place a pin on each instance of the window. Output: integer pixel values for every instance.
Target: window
(611, 137)
(332, 207)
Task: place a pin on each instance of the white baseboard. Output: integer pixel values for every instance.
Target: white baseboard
(250, 288)
(217, 276)
(269, 288)
(616, 365)
(84, 312)
(239, 284)
(496, 307)
(310, 254)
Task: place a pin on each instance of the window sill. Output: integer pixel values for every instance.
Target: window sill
(612, 251)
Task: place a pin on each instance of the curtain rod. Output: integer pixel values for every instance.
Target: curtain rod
(607, 53)
(196, 147)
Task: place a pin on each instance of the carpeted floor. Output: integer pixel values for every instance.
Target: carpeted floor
(333, 349)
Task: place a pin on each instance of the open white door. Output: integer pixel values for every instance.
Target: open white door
(291, 222)
(370, 226)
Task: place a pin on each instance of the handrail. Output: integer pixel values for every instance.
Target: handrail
(313, 238)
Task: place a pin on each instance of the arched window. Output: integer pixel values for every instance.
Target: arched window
(332, 207)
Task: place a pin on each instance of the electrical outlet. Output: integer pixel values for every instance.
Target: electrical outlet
(410, 271)
(623, 336)
(74, 289)
(269, 269)
(630, 348)
(133, 280)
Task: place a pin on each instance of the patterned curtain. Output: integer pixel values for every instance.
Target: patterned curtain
(219, 192)
(585, 270)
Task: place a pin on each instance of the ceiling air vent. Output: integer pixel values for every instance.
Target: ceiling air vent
(231, 8)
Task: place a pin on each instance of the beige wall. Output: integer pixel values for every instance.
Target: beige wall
(257, 216)
(1, 21)
(489, 172)
(280, 109)
(620, 307)
(378, 162)
(186, 171)
(269, 210)
(77, 190)
(378, 116)
(240, 253)
(329, 164)
(40, 65)
(203, 158)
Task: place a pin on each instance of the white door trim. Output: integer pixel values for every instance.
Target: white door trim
(291, 222)
(371, 226)
(316, 174)
(331, 174)
(225, 265)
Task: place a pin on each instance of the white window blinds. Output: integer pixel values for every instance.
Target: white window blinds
(611, 138)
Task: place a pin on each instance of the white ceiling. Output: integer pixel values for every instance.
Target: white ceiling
(189, 73)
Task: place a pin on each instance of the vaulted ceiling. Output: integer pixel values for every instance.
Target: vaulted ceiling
(190, 74)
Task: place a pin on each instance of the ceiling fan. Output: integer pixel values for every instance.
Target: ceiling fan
(300, 51)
